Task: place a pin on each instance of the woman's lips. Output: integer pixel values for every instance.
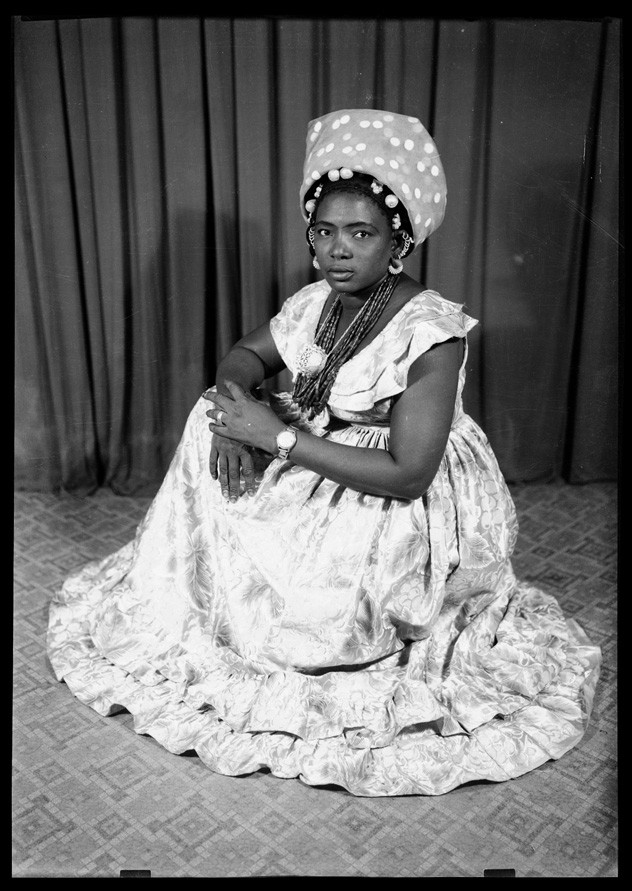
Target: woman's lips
(340, 275)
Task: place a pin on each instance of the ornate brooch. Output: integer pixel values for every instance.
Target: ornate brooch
(311, 360)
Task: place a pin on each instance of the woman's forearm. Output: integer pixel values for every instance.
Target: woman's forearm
(370, 470)
(242, 366)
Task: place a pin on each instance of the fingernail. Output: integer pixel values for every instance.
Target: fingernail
(233, 499)
(251, 494)
(224, 493)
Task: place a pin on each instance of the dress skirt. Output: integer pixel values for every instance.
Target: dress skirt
(380, 644)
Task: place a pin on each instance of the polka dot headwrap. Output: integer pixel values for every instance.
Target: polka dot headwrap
(395, 149)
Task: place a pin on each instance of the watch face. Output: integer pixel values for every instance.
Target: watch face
(285, 439)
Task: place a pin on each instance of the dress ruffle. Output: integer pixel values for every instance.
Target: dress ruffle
(376, 731)
(383, 364)
(375, 643)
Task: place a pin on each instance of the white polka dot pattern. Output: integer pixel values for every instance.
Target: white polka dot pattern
(402, 155)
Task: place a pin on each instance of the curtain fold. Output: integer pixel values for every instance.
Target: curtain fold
(158, 163)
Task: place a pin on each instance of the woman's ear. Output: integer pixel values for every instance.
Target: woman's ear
(396, 244)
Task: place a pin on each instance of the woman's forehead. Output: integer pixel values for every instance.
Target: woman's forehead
(350, 206)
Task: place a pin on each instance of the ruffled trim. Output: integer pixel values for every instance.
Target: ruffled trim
(377, 731)
(383, 365)
(380, 369)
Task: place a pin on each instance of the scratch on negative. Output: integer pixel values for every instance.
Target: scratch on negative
(576, 207)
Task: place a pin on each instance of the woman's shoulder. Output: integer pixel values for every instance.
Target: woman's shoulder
(428, 303)
(306, 294)
(432, 319)
(425, 316)
(299, 313)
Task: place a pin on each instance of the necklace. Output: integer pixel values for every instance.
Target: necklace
(319, 362)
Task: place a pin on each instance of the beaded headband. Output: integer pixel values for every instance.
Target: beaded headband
(365, 185)
(395, 149)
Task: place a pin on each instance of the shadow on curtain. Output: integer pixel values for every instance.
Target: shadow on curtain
(158, 163)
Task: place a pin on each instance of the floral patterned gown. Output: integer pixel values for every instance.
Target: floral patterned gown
(376, 643)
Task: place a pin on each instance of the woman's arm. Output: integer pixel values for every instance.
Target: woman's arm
(253, 359)
(420, 425)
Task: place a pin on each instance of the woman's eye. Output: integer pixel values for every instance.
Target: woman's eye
(361, 234)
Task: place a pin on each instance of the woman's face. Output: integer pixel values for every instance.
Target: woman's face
(353, 240)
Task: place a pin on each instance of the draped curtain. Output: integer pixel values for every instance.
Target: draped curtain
(158, 163)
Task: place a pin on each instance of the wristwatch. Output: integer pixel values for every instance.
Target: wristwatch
(286, 440)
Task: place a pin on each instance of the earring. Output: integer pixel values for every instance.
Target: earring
(396, 266)
(407, 243)
(316, 264)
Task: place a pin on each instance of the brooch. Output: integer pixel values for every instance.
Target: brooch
(311, 360)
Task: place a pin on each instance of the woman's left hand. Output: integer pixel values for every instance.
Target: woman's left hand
(244, 419)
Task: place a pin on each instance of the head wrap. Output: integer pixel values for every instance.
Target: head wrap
(395, 149)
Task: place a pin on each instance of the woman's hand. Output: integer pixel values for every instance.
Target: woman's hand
(229, 461)
(239, 421)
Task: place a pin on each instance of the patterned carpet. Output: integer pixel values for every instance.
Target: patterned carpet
(91, 798)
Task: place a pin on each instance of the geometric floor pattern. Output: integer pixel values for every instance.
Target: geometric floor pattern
(92, 798)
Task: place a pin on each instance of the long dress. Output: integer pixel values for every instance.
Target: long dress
(376, 643)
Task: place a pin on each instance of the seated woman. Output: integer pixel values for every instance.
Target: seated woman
(335, 600)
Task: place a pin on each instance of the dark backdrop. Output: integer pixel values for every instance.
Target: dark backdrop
(158, 163)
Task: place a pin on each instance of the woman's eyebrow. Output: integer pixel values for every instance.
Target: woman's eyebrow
(347, 225)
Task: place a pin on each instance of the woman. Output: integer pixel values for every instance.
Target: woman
(353, 618)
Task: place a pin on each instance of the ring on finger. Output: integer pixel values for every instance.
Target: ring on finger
(219, 416)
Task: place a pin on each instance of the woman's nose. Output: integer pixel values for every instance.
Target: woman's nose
(340, 247)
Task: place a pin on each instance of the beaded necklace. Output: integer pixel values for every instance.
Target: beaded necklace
(318, 363)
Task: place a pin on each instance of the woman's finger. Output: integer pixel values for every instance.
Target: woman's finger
(212, 459)
(234, 476)
(221, 401)
(235, 390)
(248, 471)
(223, 475)
(216, 416)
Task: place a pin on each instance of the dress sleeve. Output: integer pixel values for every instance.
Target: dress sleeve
(381, 370)
(432, 331)
(296, 320)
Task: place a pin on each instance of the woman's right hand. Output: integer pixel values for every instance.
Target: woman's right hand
(228, 462)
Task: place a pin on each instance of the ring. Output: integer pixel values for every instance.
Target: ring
(219, 416)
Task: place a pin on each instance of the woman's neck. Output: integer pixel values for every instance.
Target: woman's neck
(352, 302)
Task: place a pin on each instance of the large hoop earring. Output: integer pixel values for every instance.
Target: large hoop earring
(396, 266)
